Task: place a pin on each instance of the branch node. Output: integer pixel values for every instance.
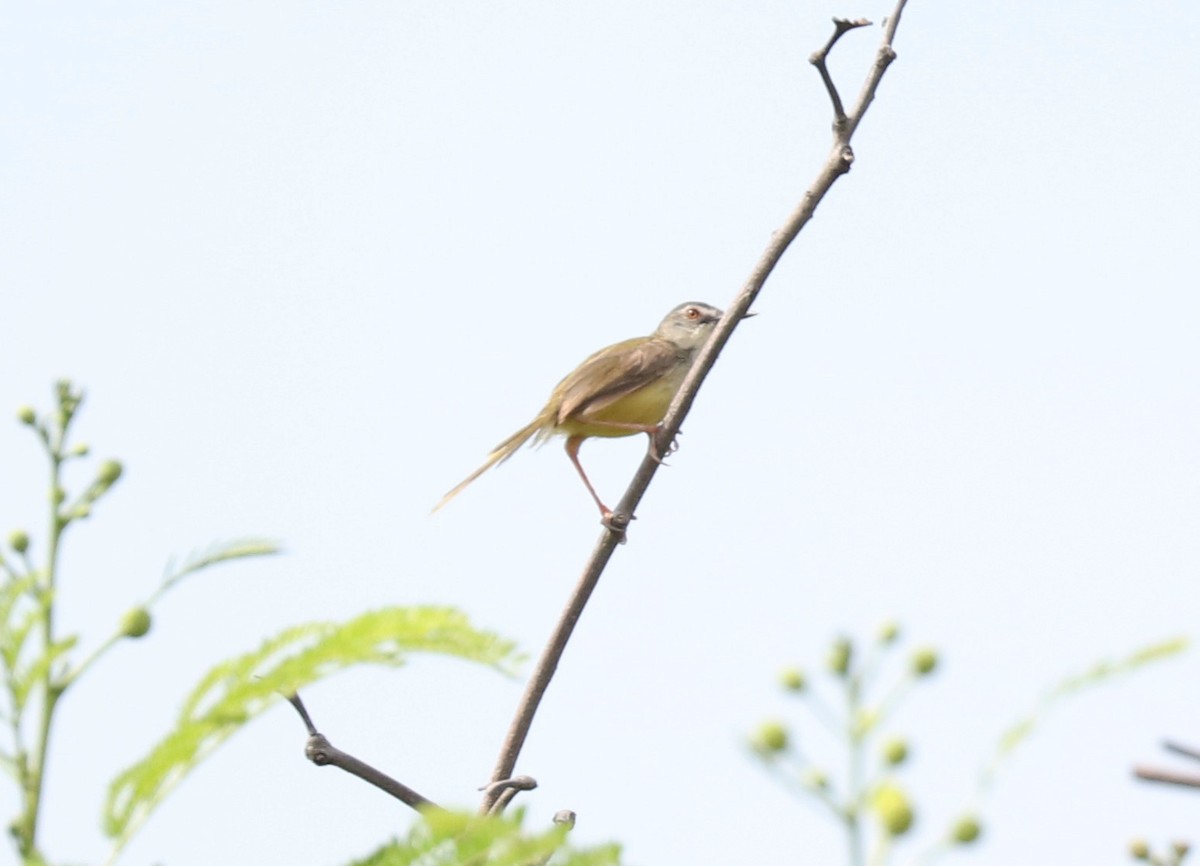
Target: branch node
(318, 749)
(565, 817)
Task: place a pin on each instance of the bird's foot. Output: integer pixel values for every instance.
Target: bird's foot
(672, 447)
(616, 522)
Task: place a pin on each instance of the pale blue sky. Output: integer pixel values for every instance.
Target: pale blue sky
(313, 260)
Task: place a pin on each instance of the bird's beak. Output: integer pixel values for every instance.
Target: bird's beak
(748, 314)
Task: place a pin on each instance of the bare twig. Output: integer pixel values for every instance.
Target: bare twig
(1181, 749)
(817, 59)
(1171, 777)
(505, 790)
(837, 164)
(321, 752)
(548, 662)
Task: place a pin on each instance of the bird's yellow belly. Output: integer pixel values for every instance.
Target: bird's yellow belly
(645, 406)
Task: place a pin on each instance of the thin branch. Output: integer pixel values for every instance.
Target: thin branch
(837, 164)
(883, 59)
(841, 26)
(1171, 777)
(505, 790)
(321, 752)
(548, 663)
(1181, 749)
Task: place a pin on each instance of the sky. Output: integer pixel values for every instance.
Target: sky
(311, 261)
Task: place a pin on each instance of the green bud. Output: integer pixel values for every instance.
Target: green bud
(865, 721)
(68, 399)
(1139, 849)
(966, 830)
(839, 656)
(924, 661)
(889, 632)
(770, 738)
(18, 540)
(80, 450)
(58, 496)
(793, 680)
(136, 622)
(893, 809)
(815, 779)
(1181, 848)
(110, 471)
(895, 751)
(27, 416)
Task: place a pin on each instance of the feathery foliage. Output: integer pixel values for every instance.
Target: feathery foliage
(239, 689)
(443, 838)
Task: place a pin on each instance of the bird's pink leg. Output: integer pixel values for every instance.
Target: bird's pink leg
(573, 443)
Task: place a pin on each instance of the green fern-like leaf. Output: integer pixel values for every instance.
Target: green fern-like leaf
(239, 689)
(443, 838)
(1097, 674)
(18, 615)
(26, 680)
(225, 551)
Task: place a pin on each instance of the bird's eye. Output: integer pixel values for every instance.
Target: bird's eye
(691, 313)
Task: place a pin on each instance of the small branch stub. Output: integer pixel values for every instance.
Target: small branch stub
(502, 792)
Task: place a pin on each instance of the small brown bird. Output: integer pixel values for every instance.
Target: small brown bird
(621, 390)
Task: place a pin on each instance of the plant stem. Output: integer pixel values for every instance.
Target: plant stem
(854, 802)
(36, 773)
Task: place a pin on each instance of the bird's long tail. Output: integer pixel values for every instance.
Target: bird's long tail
(499, 454)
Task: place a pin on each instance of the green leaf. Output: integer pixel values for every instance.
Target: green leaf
(17, 623)
(24, 681)
(241, 688)
(1016, 734)
(1097, 674)
(443, 838)
(224, 551)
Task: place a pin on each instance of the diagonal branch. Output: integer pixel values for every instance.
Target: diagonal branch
(1171, 777)
(837, 164)
(1181, 749)
(321, 752)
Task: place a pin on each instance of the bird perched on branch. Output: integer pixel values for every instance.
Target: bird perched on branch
(621, 390)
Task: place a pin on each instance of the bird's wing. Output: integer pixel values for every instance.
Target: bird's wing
(614, 372)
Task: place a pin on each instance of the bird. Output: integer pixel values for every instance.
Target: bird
(621, 390)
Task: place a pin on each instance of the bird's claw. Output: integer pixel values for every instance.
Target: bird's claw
(616, 522)
(672, 447)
